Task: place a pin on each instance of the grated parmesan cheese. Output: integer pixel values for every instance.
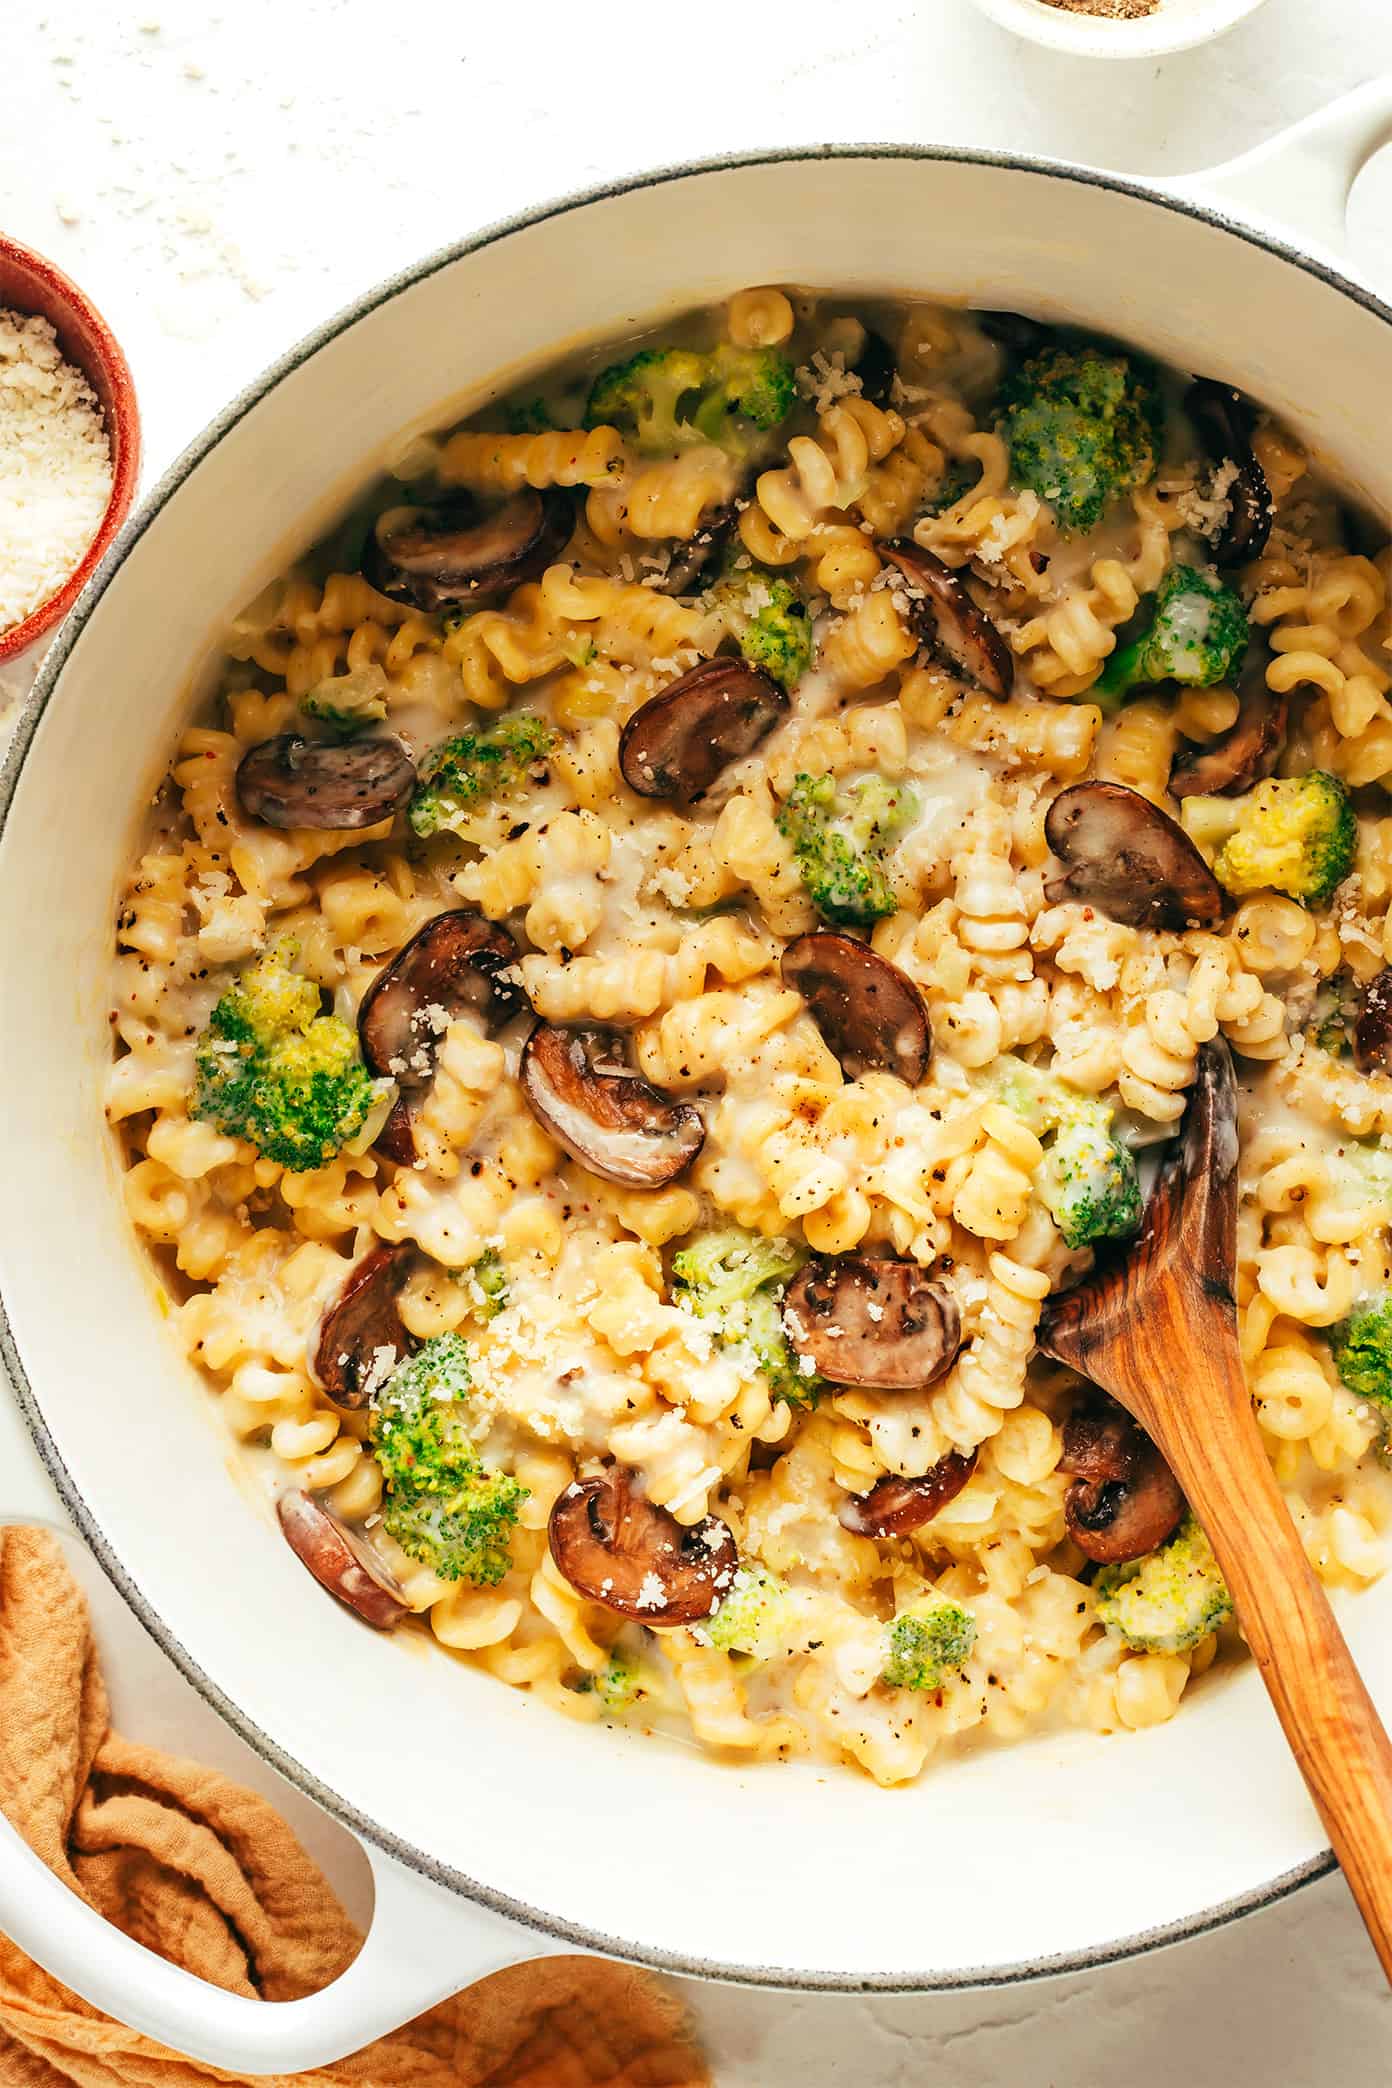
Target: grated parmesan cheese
(55, 466)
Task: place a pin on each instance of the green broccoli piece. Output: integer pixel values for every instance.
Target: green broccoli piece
(1292, 834)
(1083, 425)
(739, 1278)
(1196, 635)
(1334, 1017)
(442, 1506)
(1362, 1350)
(620, 1685)
(348, 702)
(957, 479)
(486, 1281)
(1089, 1183)
(754, 1619)
(768, 617)
(928, 1643)
(270, 1068)
(840, 838)
(474, 767)
(669, 398)
(529, 417)
(1170, 1599)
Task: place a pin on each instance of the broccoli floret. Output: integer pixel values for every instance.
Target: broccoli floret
(442, 1506)
(1170, 1599)
(754, 1619)
(768, 617)
(1083, 424)
(957, 479)
(1334, 1017)
(529, 417)
(669, 398)
(349, 702)
(1089, 1184)
(1362, 1350)
(1196, 635)
(1293, 834)
(272, 1070)
(840, 838)
(739, 1278)
(620, 1685)
(486, 1281)
(928, 1643)
(464, 772)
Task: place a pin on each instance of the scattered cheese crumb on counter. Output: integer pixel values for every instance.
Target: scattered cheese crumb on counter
(55, 466)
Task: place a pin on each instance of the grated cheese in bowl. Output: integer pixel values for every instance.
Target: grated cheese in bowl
(55, 466)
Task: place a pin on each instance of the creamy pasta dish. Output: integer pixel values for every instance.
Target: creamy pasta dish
(688, 918)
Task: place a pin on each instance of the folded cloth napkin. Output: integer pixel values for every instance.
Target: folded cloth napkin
(208, 1875)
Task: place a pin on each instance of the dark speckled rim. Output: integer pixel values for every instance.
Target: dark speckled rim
(636, 1951)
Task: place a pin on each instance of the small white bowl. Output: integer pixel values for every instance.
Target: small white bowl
(1176, 25)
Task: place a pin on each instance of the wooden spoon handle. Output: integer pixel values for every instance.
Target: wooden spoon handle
(1329, 1719)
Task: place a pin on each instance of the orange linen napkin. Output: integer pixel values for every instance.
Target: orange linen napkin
(208, 1875)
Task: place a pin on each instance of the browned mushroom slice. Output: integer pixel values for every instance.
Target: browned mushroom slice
(1124, 1500)
(1248, 751)
(1129, 859)
(294, 782)
(677, 743)
(878, 1323)
(895, 1506)
(603, 1113)
(340, 1562)
(449, 556)
(872, 1017)
(449, 966)
(946, 618)
(1013, 332)
(361, 1335)
(619, 1549)
(690, 559)
(1223, 419)
(875, 368)
(1372, 1038)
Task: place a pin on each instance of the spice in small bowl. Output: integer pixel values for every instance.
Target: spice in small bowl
(1111, 10)
(1119, 28)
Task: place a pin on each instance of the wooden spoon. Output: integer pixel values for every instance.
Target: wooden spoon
(1159, 1332)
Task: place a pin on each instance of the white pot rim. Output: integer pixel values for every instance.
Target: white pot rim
(451, 1879)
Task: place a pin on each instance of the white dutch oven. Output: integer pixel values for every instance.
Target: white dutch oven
(476, 1803)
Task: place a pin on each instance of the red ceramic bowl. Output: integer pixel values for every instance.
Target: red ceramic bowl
(28, 283)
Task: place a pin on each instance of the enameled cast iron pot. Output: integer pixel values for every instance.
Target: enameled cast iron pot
(475, 1802)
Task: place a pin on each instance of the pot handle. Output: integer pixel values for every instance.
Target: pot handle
(1298, 183)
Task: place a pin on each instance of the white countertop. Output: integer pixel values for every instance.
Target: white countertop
(220, 178)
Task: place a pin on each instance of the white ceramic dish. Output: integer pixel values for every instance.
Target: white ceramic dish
(1176, 25)
(475, 1801)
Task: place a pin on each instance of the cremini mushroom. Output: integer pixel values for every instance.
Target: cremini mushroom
(1372, 1037)
(621, 1550)
(875, 367)
(340, 1561)
(293, 782)
(895, 1506)
(1013, 332)
(1124, 1500)
(677, 743)
(1223, 420)
(1247, 753)
(450, 556)
(361, 1336)
(1129, 859)
(945, 617)
(580, 1090)
(871, 1015)
(880, 1323)
(690, 559)
(449, 966)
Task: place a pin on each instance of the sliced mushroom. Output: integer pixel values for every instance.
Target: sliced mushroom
(945, 617)
(690, 559)
(340, 1561)
(895, 1506)
(449, 966)
(1129, 859)
(1248, 751)
(618, 1549)
(878, 1323)
(292, 782)
(1223, 419)
(361, 1336)
(604, 1114)
(1124, 1500)
(876, 369)
(1012, 331)
(871, 1015)
(677, 743)
(449, 556)
(1372, 1038)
